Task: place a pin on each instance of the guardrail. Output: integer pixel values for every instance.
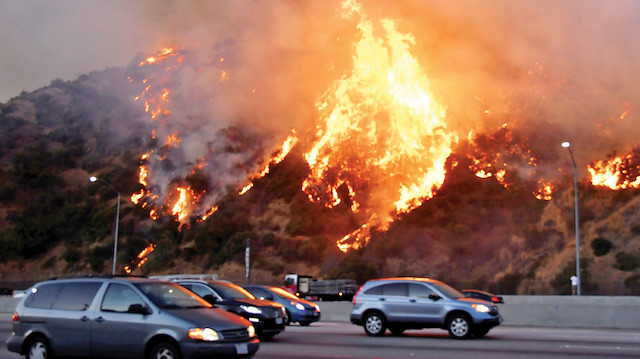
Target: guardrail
(518, 310)
(544, 311)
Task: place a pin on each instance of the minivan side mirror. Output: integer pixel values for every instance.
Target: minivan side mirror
(434, 297)
(138, 309)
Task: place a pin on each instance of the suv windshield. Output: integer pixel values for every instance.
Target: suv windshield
(231, 291)
(447, 290)
(171, 295)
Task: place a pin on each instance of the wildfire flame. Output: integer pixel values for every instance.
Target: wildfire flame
(381, 132)
(140, 259)
(621, 172)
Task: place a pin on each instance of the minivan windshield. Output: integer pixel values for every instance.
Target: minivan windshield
(447, 290)
(171, 296)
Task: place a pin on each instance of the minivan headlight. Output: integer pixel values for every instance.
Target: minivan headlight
(251, 309)
(480, 308)
(206, 334)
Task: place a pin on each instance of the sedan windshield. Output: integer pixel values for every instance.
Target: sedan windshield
(171, 296)
(230, 291)
(284, 294)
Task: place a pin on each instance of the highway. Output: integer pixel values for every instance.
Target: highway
(343, 340)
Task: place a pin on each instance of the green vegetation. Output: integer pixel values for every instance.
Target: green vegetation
(601, 246)
(626, 262)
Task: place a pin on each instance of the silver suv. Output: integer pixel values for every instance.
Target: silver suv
(125, 317)
(415, 303)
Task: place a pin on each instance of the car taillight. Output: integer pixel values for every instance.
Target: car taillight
(15, 317)
(356, 295)
(495, 299)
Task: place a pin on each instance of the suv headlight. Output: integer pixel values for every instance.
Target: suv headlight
(481, 308)
(206, 334)
(251, 309)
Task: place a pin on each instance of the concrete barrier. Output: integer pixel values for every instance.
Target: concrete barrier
(518, 310)
(544, 311)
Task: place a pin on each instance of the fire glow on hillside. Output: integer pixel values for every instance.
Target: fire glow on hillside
(380, 141)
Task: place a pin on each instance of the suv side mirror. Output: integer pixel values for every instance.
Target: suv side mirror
(138, 309)
(434, 297)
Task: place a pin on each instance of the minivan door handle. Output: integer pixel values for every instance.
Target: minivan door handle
(412, 300)
(381, 299)
(84, 318)
(99, 319)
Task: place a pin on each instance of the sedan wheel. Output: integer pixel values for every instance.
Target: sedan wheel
(459, 327)
(374, 325)
(38, 349)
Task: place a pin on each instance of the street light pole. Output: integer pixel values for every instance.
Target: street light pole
(567, 145)
(115, 235)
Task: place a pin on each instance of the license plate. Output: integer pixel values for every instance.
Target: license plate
(278, 320)
(242, 349)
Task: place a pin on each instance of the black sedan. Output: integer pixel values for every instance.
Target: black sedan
(479, 294)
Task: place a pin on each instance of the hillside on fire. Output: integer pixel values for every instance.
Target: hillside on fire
(384, 154)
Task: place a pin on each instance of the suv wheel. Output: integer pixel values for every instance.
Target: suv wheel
(459, 326)
(374, 324)
(164, 351)
(38, 349)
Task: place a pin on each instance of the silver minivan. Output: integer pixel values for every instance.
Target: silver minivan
(125, 317)
(403, 303)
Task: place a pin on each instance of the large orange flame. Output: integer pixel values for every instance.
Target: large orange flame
(621, 172)
(381, 133)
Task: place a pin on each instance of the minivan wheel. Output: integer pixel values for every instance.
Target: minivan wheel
(39, 349)
(164, 351)
(459, 326)
(374, 324)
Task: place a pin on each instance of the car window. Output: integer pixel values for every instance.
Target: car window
(396, 289)
(119, 297)
(231, 291)
(76, 295)
(171, 295)
(377, 290)
(258, 292)
(43, 296)
(447, 290)
(199, 289)
(418, 290)
(283, 293)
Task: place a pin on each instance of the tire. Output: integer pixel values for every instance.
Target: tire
(39, 348)
(287, 320)
(266, 337)
(374, 324)
(305, 324)
(459, 326)
(480, 332)
(164, 350)
(397, 331)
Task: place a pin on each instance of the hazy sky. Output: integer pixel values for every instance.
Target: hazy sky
(571, 63)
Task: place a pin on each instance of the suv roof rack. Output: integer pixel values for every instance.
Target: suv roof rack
(201, 276)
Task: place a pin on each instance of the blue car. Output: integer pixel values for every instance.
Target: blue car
(298, 310)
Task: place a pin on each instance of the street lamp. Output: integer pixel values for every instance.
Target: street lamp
(567, 145)
(115, 235)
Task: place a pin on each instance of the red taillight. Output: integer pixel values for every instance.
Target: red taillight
(355, 295)
(15, 317)
(495, 299)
